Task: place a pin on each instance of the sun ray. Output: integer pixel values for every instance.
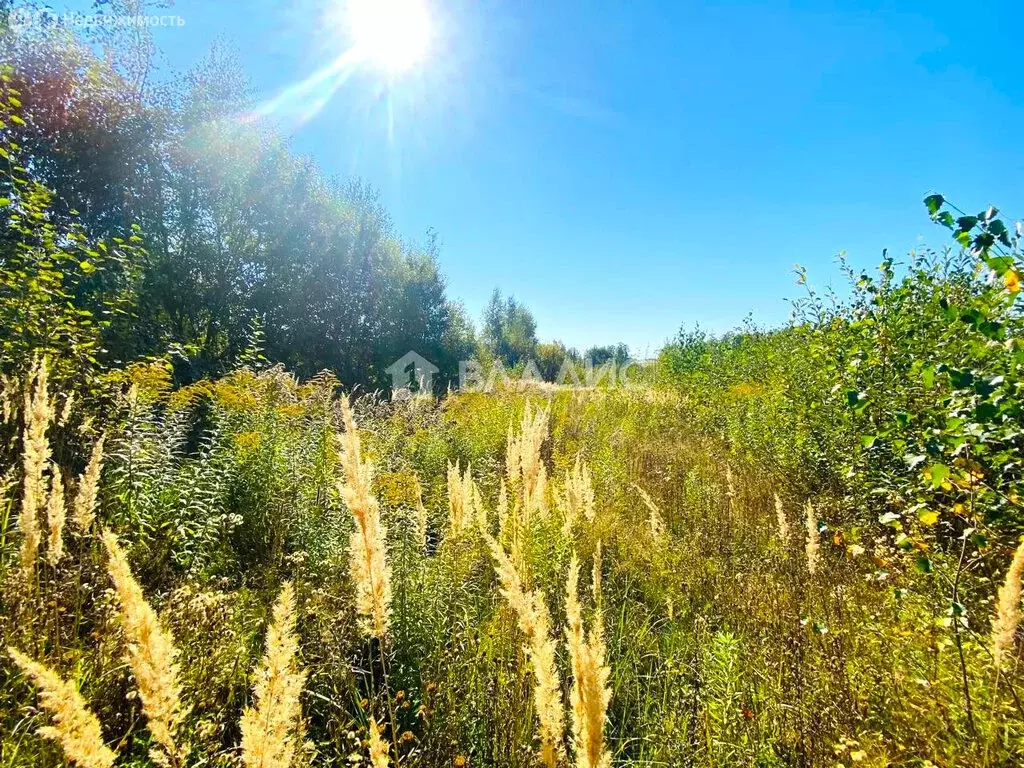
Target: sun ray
(389, 36)
(304, 100)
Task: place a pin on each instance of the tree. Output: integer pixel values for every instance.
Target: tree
(237, 226)
(458, 343)
(616, 353)
(509, 330)
(550, 358)
(60, 286)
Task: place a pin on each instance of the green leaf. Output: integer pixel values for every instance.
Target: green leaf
(998, 264)
(960, 379)
(967, 223)
(928, 376)
(984, 241)
(939, 473)
(985, 412)
(934, 203)
(997, 227)
(923, 564)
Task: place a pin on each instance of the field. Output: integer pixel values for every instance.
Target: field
(225, 540)
(567, 577)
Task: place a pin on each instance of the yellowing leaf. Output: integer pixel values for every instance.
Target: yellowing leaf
(1011, 279)
(928, 516)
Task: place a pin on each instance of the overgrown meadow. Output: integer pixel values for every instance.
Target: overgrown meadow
(703, 569)
(787, 547)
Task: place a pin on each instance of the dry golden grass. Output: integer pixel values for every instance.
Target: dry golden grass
(504, 519)
(465, 506)
(75, 727)
(272, 727)
(65, 409)
(535, 623)
(1007, 618)
(88, 487)
(378, 747)
(813, 538)
(590, 693)
(525, 470)
(35, 458)
(781, 521)
(55, 517)
(368, 565)
(709, 601)
(730, 488)
(151, 656)
(655, 521)
(577, 496)
(9, 387)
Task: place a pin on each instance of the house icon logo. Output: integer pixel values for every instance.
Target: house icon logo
(411, 371)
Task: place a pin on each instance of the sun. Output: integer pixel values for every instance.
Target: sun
(392, 34)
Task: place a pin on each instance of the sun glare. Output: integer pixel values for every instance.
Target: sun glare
(392, 34)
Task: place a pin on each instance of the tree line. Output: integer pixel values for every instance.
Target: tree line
(242, 245)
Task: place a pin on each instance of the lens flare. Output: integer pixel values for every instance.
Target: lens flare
(388, 37)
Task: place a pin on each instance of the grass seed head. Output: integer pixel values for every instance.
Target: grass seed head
(74, 727)
(813, 539)
(368, 565)
(55, 517)
(88, 488)
(272, 727)
(378, 747)
(151, 656)
(535, 623)
(35, 459)
(1007, 618)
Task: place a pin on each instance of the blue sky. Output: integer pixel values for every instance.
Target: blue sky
(628, 167)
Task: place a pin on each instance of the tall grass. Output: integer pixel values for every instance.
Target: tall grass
(152, 656)
(75, 727)
(442, 617)
(273, 725)
(35, 459)
(534, 622)
(368, 559)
